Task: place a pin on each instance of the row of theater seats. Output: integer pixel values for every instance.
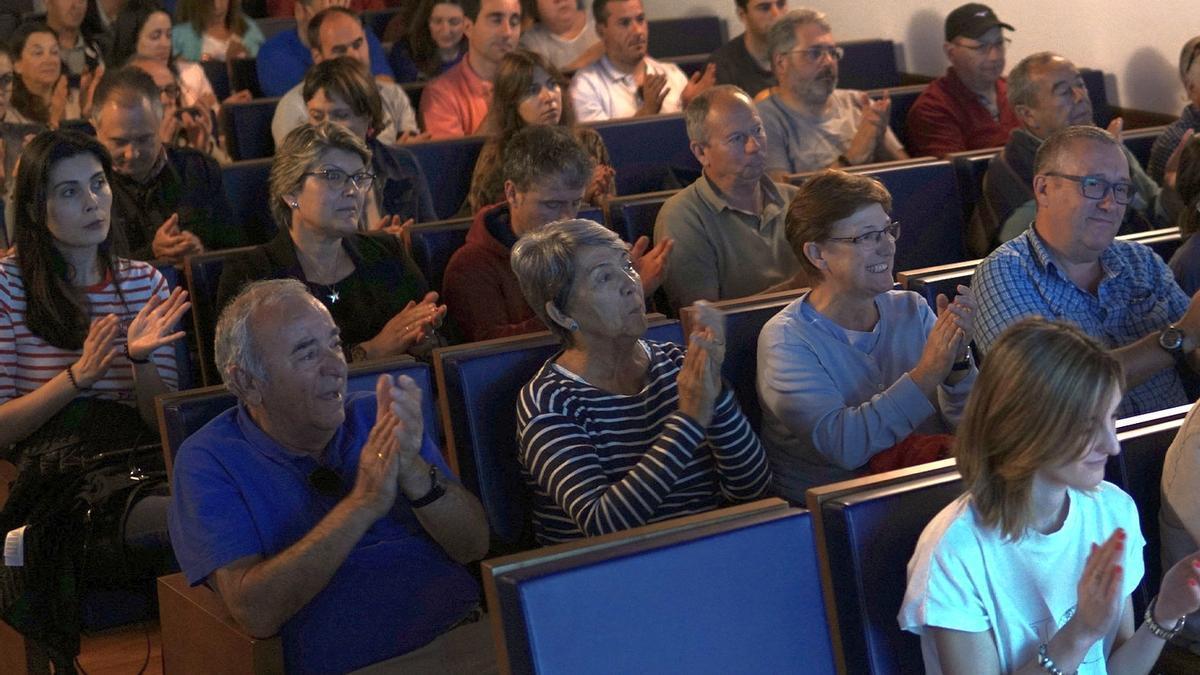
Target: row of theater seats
(757, 588)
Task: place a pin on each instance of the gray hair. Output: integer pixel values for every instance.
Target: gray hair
(301, 149)
(1022, 90)
(696, 113)
(781, 39)
(544, 262)
(541, 153)
(1050, 155)
(235, 345)
(1188, 58)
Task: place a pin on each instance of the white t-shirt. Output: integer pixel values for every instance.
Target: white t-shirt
(968, 578)
(601, 92)
(560, 51)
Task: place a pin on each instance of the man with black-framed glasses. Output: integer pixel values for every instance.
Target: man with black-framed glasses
(810, 123)
(1069, 266)
(967, 108)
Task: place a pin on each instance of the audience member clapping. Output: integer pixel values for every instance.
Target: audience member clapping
(853, 368)
(85, 346)
(564, 33)
(181, 126)
(334, 33)
(529, 91)
(435, 42)
(215, 30)
(811, 124)
(41, 93)
(616, 431)
(1033, 568)
(168, 202)
(341, 90)
(375, 293)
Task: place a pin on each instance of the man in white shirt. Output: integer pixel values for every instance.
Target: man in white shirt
(335, 32)
(625, 82)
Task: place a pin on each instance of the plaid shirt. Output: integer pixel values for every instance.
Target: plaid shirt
(1137, 296)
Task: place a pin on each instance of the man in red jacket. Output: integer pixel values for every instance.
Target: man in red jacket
(967, 108)
(546, 172)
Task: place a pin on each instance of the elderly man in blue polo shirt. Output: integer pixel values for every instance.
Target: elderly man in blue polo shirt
(331, 520)
(1069, 266)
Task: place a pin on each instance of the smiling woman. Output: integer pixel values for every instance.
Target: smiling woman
(370, 285)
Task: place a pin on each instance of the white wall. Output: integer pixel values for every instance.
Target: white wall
(1137, 43)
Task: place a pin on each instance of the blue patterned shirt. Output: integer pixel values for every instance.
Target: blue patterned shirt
(1137, 296)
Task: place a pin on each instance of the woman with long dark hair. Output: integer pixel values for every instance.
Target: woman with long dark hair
(435, 42)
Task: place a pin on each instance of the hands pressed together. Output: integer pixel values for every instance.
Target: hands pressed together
(947, 342)
(699, 380)
(391, 457)
(876, 114)
(651, 263)
(413, 325)
(150, 329)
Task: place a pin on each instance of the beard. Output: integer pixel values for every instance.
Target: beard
(818, 90)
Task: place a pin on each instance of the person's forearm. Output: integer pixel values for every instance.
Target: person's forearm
(271, 592)
(1067, 649)
(23, 415)
(1137, 654)
(148, 384)
(1142, 359)
(456, 521)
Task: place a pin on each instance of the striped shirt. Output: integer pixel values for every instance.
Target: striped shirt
(599, 462)
(27, 361)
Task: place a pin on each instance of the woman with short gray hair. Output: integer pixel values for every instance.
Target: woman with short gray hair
(616, 431)
(372, 288)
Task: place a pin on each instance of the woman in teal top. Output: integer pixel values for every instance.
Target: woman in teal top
(214, 29)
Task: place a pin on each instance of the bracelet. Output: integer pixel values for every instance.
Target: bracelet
(1157, 628)
(1047, 664)
(965, 364)
(74, 383)
(129, 356)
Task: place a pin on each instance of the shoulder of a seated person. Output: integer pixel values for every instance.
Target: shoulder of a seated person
(187, 160)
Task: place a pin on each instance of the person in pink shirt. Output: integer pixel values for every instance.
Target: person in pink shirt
(456, 102)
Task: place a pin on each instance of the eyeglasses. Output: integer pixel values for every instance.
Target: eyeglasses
(817, 53)
(874, 236)
(326, 482)
(171, 90)
(986, 47)
(336, 178)
(6, 80)
(1096, 187)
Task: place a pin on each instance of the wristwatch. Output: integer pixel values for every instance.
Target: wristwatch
(1171, 339)
(965, 364)
(436, 490)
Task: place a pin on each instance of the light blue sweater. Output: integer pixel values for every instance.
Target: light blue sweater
(187, 43)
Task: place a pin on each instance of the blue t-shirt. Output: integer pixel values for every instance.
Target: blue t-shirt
(283, 60)
(237, 493)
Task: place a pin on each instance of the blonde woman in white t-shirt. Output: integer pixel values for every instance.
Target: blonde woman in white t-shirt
(1032, 569)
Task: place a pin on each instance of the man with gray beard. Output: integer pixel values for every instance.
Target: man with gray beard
(810, 123)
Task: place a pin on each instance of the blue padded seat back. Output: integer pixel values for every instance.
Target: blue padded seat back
(218, 76)
(183, 359)
(633, 217)
(869, 538)
(481, 391)
(685, 36)
(247, 125)
(1098, 93)
(649, 153)
(1138, 471)
(448, 166)
(970, 170)
(740, 368)
(243, 74)
(930, 286)
(432, 246)
(868, 64)
(183, 416)
(902, 100)
(736, 597)
(247, 185)
(203, 277)
(926, 202)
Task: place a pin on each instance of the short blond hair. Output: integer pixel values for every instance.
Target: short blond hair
(1041, 393)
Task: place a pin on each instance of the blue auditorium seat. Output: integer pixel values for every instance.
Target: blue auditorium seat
(479, 384)
(181, 414)
(868, 64)
(970, 167)
(243, 74)
(1098, 93)
(432, 245)
(247, 126)
(414, 90)
(685, 36)
(183, 359)
(926, 201)
(218, 76)
(649, 154)
(448, 166)
(632, 217)
(869, 537)
(1138, 471)
(940, 279)
(203, 274)
(247, 185)
(903, 99)
(1141, 141)
(744, 320)
(737, 596)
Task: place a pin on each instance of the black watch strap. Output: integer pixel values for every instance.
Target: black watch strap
(436, 490)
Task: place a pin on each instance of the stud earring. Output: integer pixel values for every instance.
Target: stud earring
(574, 326)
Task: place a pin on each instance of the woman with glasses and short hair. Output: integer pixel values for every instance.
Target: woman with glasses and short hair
(376, 294)
(853, 367)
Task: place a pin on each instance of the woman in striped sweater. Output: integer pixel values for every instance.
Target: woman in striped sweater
(616, 431)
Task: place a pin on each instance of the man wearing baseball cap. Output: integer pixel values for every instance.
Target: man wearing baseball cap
(967, 108)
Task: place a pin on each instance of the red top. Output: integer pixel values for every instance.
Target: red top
(948, 117)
